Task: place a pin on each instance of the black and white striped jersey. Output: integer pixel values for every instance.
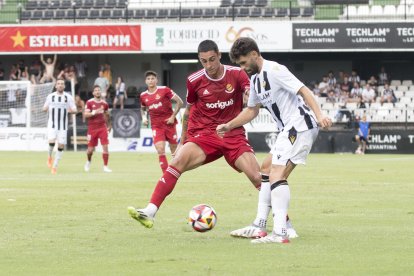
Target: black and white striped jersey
(58, 106)
(276, 88)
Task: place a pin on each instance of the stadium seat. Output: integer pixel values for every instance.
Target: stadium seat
(88, 4)
(208, 13)
(363, 11)
(25, 15)
(261, 3)
(110, 4)
(121, 4)
(60, 14)
(185, 13)
(407, 82)
(130, 14)
(99, 4)
(395, 82)
(54, 4)
(70, 14)
(237, 3)
(139, 14)
(269, 12)
(43, 5)
(67, 4)
(411, 11)
(399, 94)
(242, 12)
(37, 15)
(82, 14)
(307, 12)
(294, 12)
(31, 5)
(117, 14)
(221, 12)
(248, 3)
(78, 4)
(174, 13)
(225, 3)
(387, 106)
(94, 14)
(282, 12)
(105, 14)
(197, 13)
(162, 13)
(151, 14)
(49, 15)
(256, 12)
(405, 99)
(402, 10)
(350, 11)
(389, 10)
(402, 88)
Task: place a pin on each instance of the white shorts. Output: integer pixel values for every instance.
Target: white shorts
(60, 136)
(294, 147)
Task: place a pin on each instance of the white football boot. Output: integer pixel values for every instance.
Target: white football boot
(272, 238)
(87, 166)
(106, 169)
(250, 232)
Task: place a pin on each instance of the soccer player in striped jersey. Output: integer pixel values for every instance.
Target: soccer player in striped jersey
(59, 104)
(157, 100)
(99, 125)
(214, 96)
(296, 113)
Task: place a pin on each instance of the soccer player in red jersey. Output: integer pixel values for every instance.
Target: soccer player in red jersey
(99, 125)
(214, 96)
(157, 100)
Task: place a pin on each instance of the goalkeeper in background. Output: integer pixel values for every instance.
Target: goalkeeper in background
(59, 104)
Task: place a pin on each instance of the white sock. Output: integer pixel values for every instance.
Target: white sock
(57, 158)
(51, 150)
(151, 209)
(264, 205)
(280, 195)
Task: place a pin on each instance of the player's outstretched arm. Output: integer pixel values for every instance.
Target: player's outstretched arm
(243, 118)
(307, 95)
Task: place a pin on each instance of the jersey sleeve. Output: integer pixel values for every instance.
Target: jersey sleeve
(253, 98)
(286, 79)
(88, 106)
(47, 102)
(141, 99)
(191, 93)
(244, 80)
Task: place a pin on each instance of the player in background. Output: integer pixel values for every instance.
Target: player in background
(361, 138)
(296, 113)
(59, 104)
(214, 96)
(157, 101)
(99, 125)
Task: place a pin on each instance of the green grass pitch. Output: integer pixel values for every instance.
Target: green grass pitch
(354, 215)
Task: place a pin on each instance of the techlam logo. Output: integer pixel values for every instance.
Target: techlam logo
(221, 105)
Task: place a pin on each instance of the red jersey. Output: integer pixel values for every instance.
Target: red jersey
(159, 105)
(97, 121)
(215, 101)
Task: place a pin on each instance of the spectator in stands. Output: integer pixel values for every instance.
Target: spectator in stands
(49, 64)
(25, 74)
(355, 92)
(331, 79)
(373, 82)
(107, 73)
(323, 87)
(341, 76)
(360, 102)
(120, 94)
(35, 71)
(81, 69)
(103, 83)
(21, 65)
(354, 77)
(80, 107)
(388, 94)
(382, 76)
(316, 90)
(346, 85)
(368, 94)
(331, 97)
(361, 138)
(14, 73)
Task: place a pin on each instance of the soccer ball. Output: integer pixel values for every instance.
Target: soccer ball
(202, 218)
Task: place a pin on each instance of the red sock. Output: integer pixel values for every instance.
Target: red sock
(165, 185)
(163, 162)
(105, 157)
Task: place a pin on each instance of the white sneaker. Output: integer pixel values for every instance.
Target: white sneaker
(251, 232)
(273, 238)
(87, 166)
(106, 169)
(291, 233)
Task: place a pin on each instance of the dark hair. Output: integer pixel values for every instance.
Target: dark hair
(207, 45)
(151, 73)
(95, 87)
(242, 47)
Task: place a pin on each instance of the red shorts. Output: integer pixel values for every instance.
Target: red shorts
(168, 134)
(94, 135)
(215, 147)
